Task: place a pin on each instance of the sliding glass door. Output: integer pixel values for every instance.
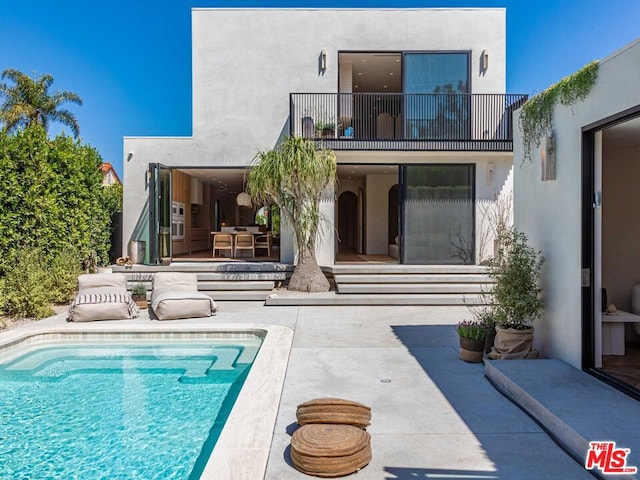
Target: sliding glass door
(438, 219)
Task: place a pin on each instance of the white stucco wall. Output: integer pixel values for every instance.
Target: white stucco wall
(550, 212)
(246, 62)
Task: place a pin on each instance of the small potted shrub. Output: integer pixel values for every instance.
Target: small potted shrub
(139, 295)
(472, 335)
(517, 296)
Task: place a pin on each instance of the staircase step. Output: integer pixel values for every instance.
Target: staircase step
(411, 288)
(411, 278)
(395, 269)
(331, 298)
(243, 276)
(240, 296)
(235, 286)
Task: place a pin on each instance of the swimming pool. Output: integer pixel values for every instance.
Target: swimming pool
(128, 408)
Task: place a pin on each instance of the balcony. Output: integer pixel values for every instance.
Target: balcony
(397, 121)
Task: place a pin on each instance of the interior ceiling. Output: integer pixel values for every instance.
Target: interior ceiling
(357, 172)
(225, 179)
(625, 134)
(231, 179)
(375, 72)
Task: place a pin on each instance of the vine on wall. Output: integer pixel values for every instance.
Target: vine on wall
(536, 116)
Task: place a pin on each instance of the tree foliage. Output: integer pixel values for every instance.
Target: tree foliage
(55, 216)
(51, 196)
(295, 175)
(28, 101)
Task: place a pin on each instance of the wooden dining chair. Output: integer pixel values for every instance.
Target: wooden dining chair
(264, 242)
(222, 241)
(245, 241)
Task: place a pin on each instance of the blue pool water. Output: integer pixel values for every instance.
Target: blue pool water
(117, 411)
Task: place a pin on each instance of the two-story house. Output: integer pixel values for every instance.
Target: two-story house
(412, 101)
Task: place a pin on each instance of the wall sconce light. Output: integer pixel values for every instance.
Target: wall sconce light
(130, 156)
(490, 169)
(484, 60)
(323, 59)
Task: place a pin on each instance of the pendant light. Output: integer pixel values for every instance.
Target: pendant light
(243, 199)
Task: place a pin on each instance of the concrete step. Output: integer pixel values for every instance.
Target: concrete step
(410, 288)
(235, 286)
(395, 269)
(243, 276)
(411, 278)
(574, 407)
(205, 267)
(239, 295)
(331, 298)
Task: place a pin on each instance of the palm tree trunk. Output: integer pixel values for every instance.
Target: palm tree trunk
(307, 276)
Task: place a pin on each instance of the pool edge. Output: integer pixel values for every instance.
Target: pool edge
(242, 450)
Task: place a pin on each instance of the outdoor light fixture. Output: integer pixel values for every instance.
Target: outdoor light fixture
(490, 170)
(484, 60)
(323, 59)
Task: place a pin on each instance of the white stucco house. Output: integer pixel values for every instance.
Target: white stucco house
(585, 221)
(412, 101)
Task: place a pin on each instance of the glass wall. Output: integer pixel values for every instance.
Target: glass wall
(438, 214)
(430, 116)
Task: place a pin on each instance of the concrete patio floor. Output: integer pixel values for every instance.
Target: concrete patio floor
(433, 416)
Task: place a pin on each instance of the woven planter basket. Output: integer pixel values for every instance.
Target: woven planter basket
(334, 411)
(330, 450)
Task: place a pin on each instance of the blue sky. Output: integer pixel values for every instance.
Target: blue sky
(130, 61)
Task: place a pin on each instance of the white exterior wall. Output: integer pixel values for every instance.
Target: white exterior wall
(246, 62)
(550, 212)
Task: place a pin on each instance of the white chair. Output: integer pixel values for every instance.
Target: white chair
(264, 242)
(245, 241)
(222, 241)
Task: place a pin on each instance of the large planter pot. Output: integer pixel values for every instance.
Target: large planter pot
(471, 350)
(511, 343)
(488, 341)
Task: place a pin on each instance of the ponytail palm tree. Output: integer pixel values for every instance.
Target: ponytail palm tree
(28, 101)
(294, 176)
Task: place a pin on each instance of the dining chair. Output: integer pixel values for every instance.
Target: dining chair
(264, 242)
(223, 241)
(245, 241)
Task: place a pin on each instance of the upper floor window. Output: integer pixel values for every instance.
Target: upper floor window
(404, 72)
(436, 72)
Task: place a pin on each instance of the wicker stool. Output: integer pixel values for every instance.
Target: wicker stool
(334, 411)
(330, 450)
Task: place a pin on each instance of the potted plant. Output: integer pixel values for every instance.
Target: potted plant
(326, 128)
(472, 335)
(517, 296)
(139, 295)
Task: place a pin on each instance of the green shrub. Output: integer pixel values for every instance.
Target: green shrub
(64, 269)
(26, 287)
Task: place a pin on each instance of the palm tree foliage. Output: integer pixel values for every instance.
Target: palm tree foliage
(28, 101)
(295, 175)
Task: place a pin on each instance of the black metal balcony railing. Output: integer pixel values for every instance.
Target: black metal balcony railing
(397, 121)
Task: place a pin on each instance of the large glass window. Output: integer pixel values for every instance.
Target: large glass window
(438, 225)
(436, 72)
(445, 114)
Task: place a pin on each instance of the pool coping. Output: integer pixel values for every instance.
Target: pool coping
(242, 450)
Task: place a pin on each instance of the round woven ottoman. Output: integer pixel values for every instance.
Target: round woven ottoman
(327, 450)
(334, 411)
